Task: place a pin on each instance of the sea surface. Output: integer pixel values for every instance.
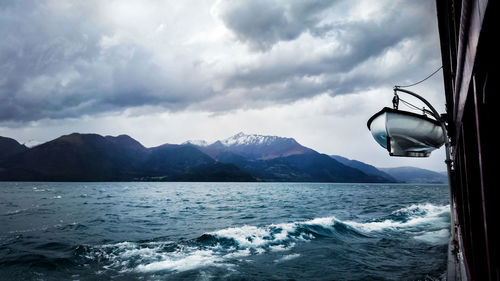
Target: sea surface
(223, 231)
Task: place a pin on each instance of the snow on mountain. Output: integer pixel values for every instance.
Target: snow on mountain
(243, 139)
(255, 146)
(251, 147)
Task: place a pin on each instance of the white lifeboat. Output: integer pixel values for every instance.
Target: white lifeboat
(405, 133)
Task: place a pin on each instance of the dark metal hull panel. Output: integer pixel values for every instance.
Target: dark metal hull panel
(468, 41)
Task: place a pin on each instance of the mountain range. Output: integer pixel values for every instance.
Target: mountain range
(416, 175)
(242, 157)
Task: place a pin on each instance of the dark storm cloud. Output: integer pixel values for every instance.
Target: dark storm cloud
(69, 59)
(262, 23)
(361, 40)
(53, 64)
(39, 47)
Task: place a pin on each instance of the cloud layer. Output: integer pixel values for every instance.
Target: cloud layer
(72, 59)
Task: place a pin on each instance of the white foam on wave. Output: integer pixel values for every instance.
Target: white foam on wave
(275, 236)
(238, 254)
(426, 209)
(273, 239)
(281, 248)
(287, 258)
(179, 261)
(151, 257)
(247, 236)
(418, 215)
(250, 240)
(435, 237)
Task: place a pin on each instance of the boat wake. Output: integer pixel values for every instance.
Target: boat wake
(425, 223)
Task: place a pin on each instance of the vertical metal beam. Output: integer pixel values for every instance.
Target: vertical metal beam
(481, 179)
(471, 22)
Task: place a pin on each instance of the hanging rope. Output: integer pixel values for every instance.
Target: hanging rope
(395, 104)
(411, 85)
(411, 105)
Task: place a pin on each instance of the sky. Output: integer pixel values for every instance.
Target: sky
(172, 71)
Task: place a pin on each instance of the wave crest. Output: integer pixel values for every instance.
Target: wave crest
(424, 221)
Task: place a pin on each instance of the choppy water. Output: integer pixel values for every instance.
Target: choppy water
(222, 231)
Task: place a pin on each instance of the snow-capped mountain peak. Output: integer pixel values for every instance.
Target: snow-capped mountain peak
(253, 139)
(254, 147)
